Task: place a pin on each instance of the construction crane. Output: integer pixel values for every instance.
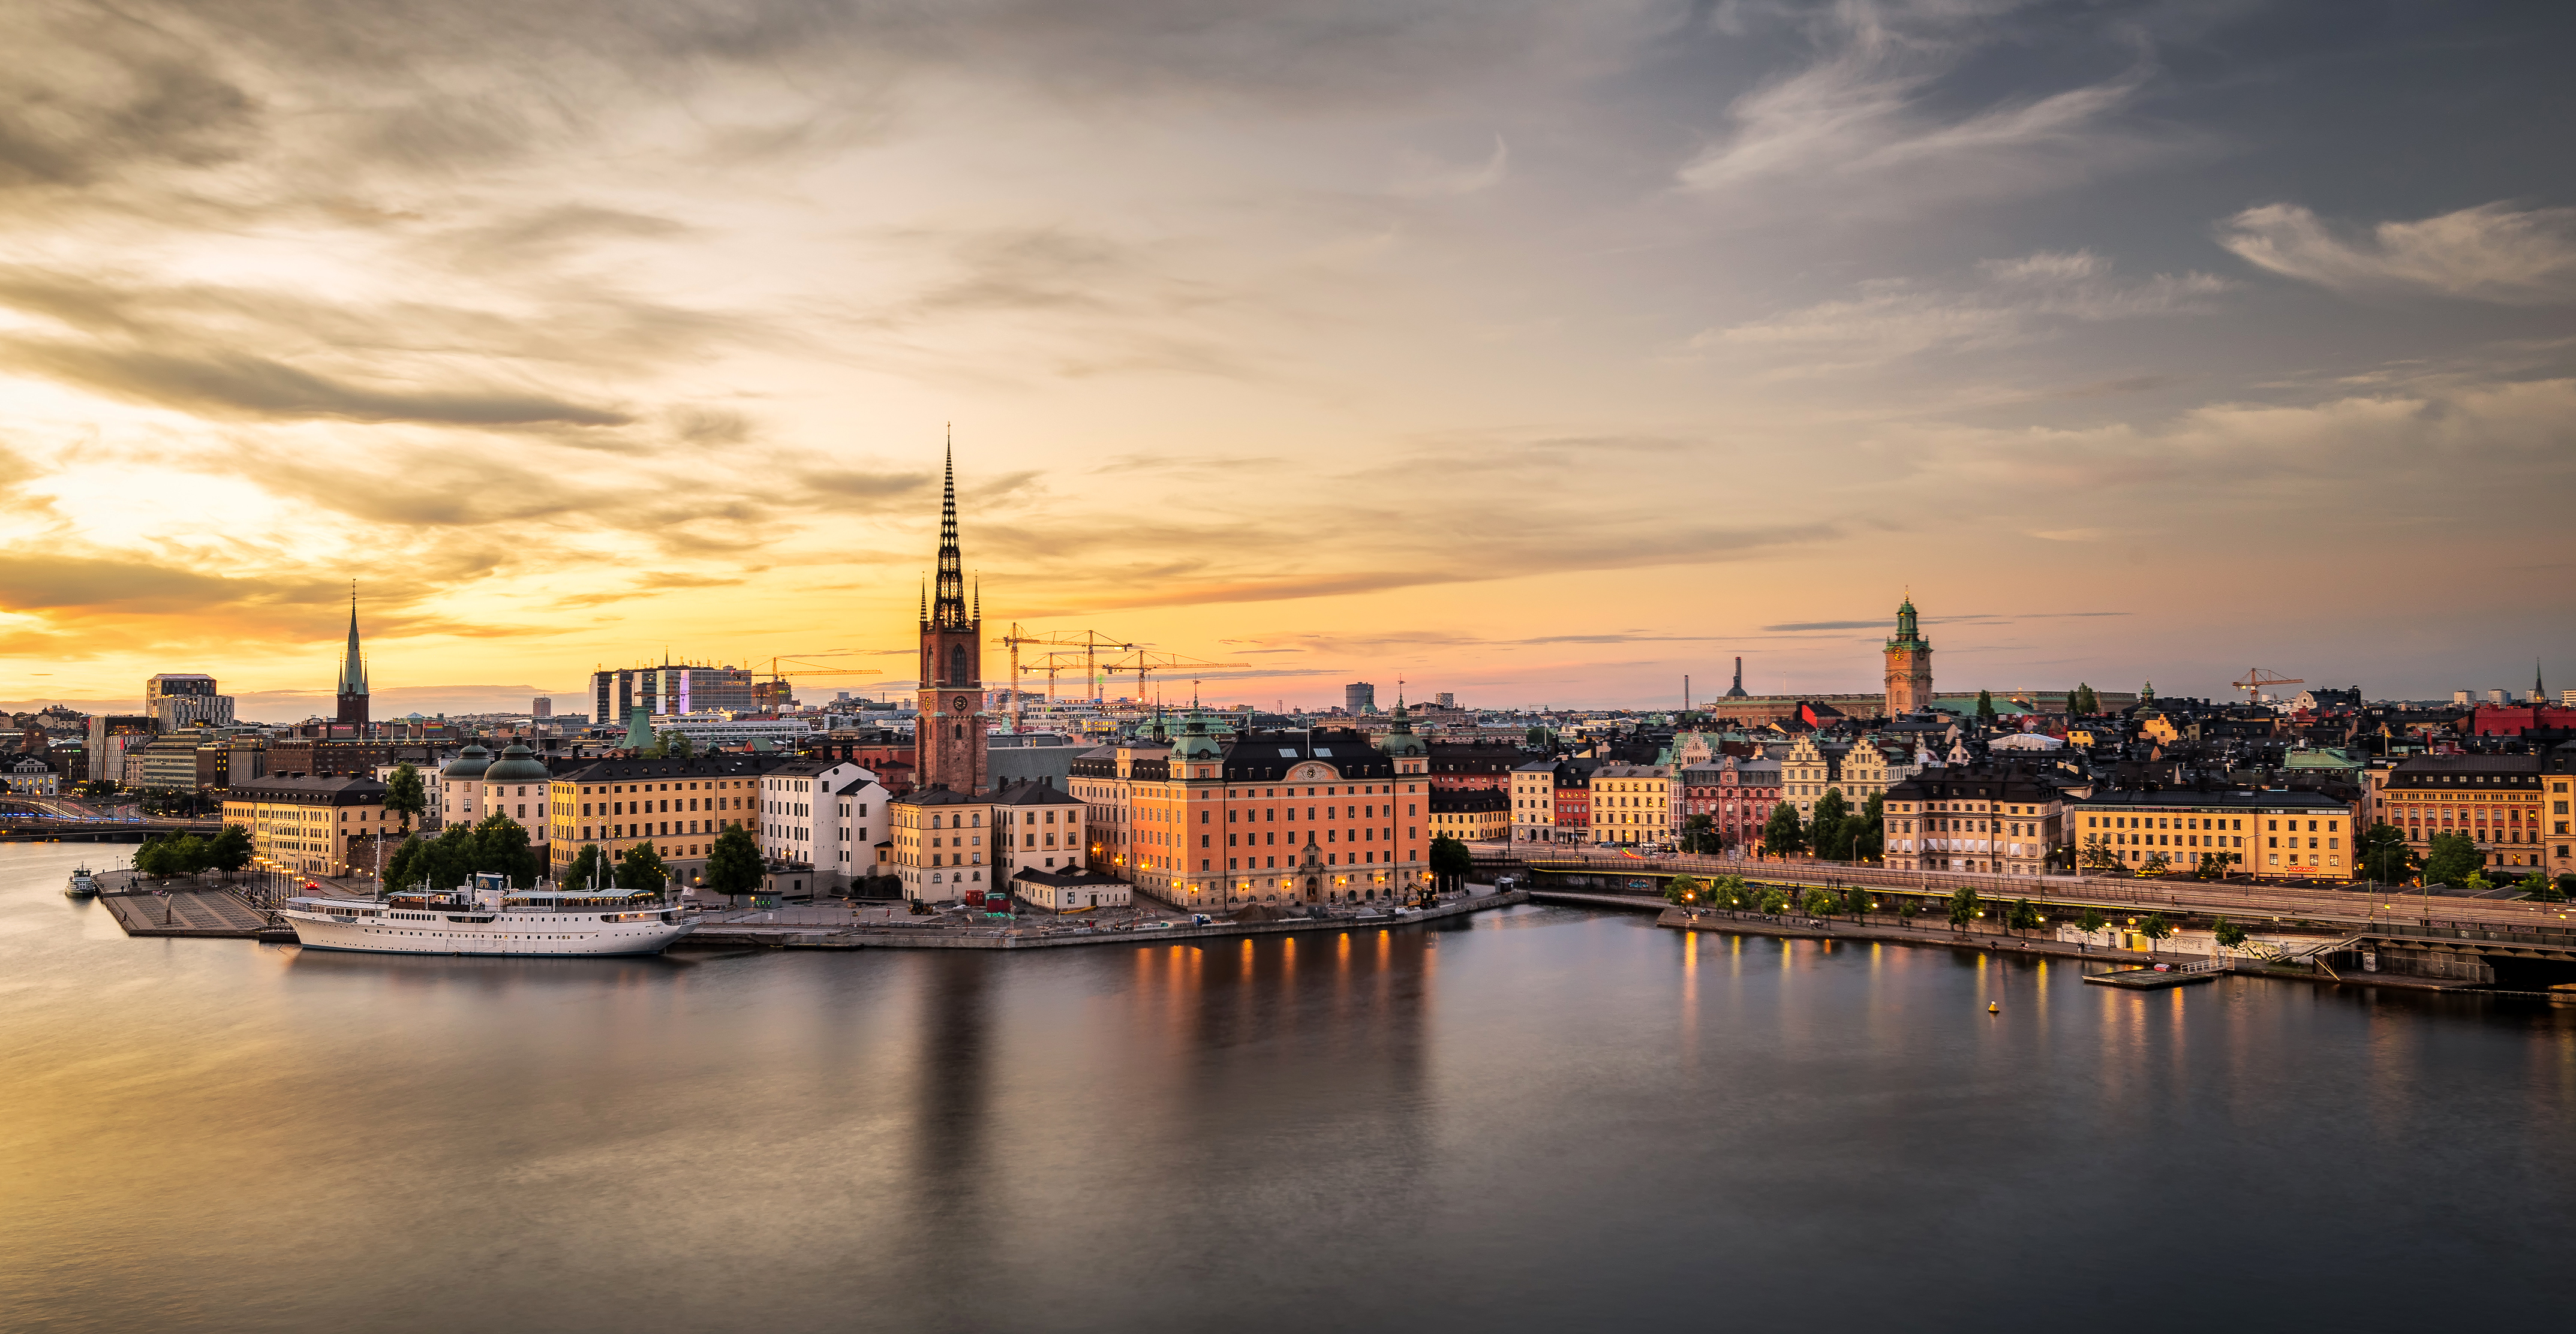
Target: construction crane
(1143, 661)
(805, 667)
(1089, 641)
(2256, 679)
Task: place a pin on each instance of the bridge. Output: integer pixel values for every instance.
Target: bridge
(2367, 908)
(2374, 929)
(65, 819)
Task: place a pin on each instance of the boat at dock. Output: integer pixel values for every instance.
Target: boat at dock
(82, 885)
(487, 916)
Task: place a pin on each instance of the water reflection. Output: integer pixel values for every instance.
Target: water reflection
(1540, 1120)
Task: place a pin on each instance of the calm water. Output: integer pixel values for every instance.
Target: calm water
(1542, 1120)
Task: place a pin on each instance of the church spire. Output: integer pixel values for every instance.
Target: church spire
(948, 608)
(353, 668)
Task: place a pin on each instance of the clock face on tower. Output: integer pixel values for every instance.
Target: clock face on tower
(957, 704)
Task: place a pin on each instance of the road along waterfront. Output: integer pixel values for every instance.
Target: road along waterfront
(1537, 1118)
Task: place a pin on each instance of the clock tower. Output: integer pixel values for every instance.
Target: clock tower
(948, 735)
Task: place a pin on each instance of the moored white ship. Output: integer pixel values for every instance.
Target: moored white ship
(488, 917)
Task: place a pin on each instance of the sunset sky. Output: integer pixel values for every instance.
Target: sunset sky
(1539, 352)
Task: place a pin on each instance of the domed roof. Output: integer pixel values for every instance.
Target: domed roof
(517, 765)
(469, 762)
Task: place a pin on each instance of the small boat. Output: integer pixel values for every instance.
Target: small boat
(83, 885)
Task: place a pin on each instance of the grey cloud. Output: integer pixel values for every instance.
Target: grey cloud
(2493, 252)
(238, 384)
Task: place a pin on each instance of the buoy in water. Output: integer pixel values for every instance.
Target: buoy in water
(1992, 1008)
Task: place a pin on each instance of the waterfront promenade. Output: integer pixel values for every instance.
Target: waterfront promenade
(2359, 908)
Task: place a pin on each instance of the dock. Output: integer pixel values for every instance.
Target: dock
(2157, 979)
(748, 935)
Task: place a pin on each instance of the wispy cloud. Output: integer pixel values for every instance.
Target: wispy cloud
(1865, 109)
(2018, 298)
(2494, 252)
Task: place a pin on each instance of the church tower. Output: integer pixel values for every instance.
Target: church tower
(353, 672)
(1909, 665)
(948, 735)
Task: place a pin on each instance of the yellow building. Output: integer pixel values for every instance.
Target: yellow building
(2303, 835)
(1633, 804)
(2496, 801)
(940, 848)
(1471, 815)
(678, 806)
(313, 826)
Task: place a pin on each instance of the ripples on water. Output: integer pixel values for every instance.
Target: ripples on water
(1542, 1119)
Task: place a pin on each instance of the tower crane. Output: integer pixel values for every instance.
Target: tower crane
(2256, 679)
(1089, 641)
(805, 666)
(1143, 662)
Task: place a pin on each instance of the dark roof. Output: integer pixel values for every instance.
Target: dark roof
(1462, 801)
(940, 795)
(336, 790)
(1066, 879)
(725, 765)
(2234, 798)
(1252, 757)
(1033, 792)
(1950, 783)
(2420, 768)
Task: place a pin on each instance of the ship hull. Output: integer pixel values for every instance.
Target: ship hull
(531, 937)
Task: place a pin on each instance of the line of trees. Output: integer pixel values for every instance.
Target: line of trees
(1838, 833)
(165, 855)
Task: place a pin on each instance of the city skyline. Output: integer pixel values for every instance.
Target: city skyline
(1539, 354)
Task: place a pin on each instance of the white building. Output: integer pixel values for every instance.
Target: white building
(32, 777)
(1069, 891)
(706, 731)
(457, 788)
(827, 815)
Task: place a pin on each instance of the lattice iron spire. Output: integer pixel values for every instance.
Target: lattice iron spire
(948, 608)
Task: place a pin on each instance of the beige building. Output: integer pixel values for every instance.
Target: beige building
(313, 826)
(940, 852)
(677, 806)
(1633, 803)
(1988, 820)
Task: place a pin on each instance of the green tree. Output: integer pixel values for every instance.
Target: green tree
(2098, 854)
(733, 864)
(153, 858)
(189, 855)
(1699, 834)
(2156, 929)
(1856, 902)
(1869, 832)
(2549, 891)
(1830, 833)
(640, 867)
(2230, 935)
(2024, 917)
(229, 851)
(2383, 855)
(588, 865)
(2083, 702)
(1775, 901)
(673, 745)
(2158, 862)
(1781, 834)
(2477, 882)
(406, 795)
(1682, 889)
(1905, 911)
(1985, 708)
(2451, 860)
(1729, 891)
(1450, 861)
(1819, 903)
(1963, 908)
(500, 847)
(2092, 922)
(1539, 738)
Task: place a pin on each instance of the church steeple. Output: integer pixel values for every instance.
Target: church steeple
(353, 669)
(948, 608)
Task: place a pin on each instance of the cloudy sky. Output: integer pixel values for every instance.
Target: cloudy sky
(1540, 352)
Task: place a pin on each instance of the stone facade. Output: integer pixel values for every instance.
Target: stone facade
(1909, 665)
